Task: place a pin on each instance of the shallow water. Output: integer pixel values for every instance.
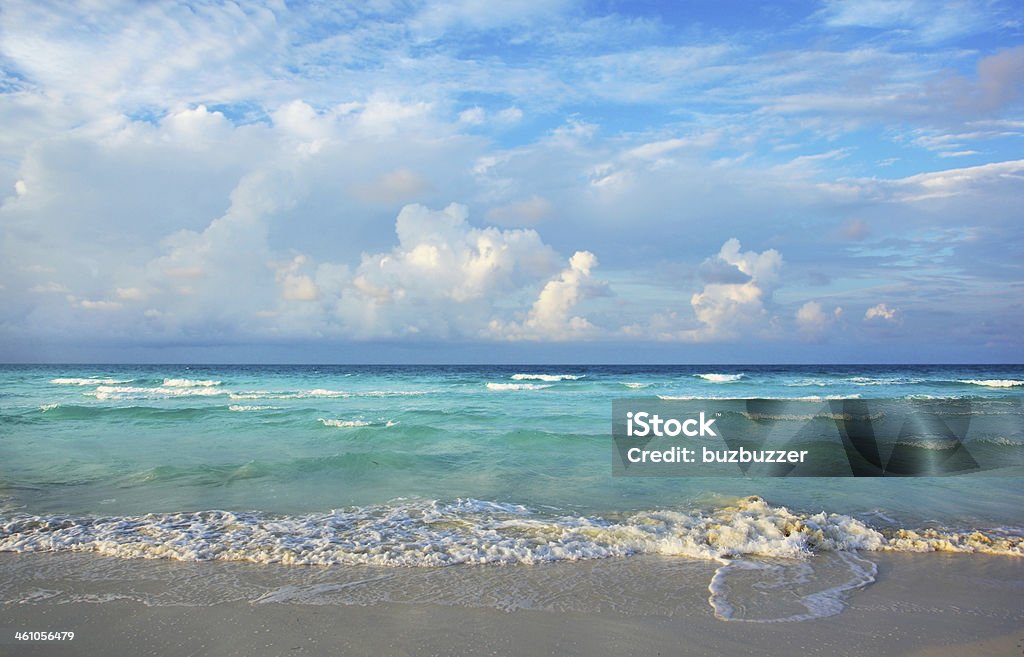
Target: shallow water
(424, 466)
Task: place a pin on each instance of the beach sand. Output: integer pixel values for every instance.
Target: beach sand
(921, 604)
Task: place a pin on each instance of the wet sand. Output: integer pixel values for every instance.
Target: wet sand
(921, 605)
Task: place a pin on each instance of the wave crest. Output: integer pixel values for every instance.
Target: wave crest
(516, 386)
(343, 424)
(546, 377)
(720, 378)
(994, 383)
(190, 383)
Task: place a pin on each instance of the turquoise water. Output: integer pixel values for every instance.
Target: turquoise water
(433, 465)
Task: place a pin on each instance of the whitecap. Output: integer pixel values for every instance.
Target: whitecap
(137, 392)
(516, 386)
(994, 383)
(720, 378)
(1002, 441)
(343, 424)
(190, 383)
(547, 377)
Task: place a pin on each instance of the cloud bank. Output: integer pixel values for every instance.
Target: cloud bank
(444, 174)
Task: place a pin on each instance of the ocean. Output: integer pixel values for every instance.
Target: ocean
(431, 466)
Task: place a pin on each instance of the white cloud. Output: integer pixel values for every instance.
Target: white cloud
(658, 150)
(932, 185)
(443, 279)
(733, 303)
(881, 312)
(727, 309)
(209, 144)
(812, 320)
(299, 288)
(296, 286)
(130, 294)
(473, 116)
(102, 305)
(509, 115)
(763, 268)
(50, 287)
(724, 309)
(433, 19)
(924, 20)
(550, 317)
(383, 116)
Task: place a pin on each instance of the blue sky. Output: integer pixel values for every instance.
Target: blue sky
(554, 181)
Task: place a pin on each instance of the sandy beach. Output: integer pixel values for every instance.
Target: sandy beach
(931, 604)
(549, 328)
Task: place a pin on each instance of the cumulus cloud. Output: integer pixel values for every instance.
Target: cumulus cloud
(227, 259)
(733, 302)
(881, 312)
(551, 316)
(244, 168)
(130, 294)
(726, 309)
(812, 320)
(444, 278)
(296, 286)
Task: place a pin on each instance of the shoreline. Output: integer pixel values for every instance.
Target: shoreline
(920, 604)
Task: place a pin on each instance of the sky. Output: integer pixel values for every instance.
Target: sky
(563, 181)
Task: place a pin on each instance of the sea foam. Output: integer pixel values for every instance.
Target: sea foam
(343, 424)
(431, 533)
(161, 392)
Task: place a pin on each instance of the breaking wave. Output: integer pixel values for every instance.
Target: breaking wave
(431, 533)
(994, 383)
(516, 386)
(720, 378)
(547, 377)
